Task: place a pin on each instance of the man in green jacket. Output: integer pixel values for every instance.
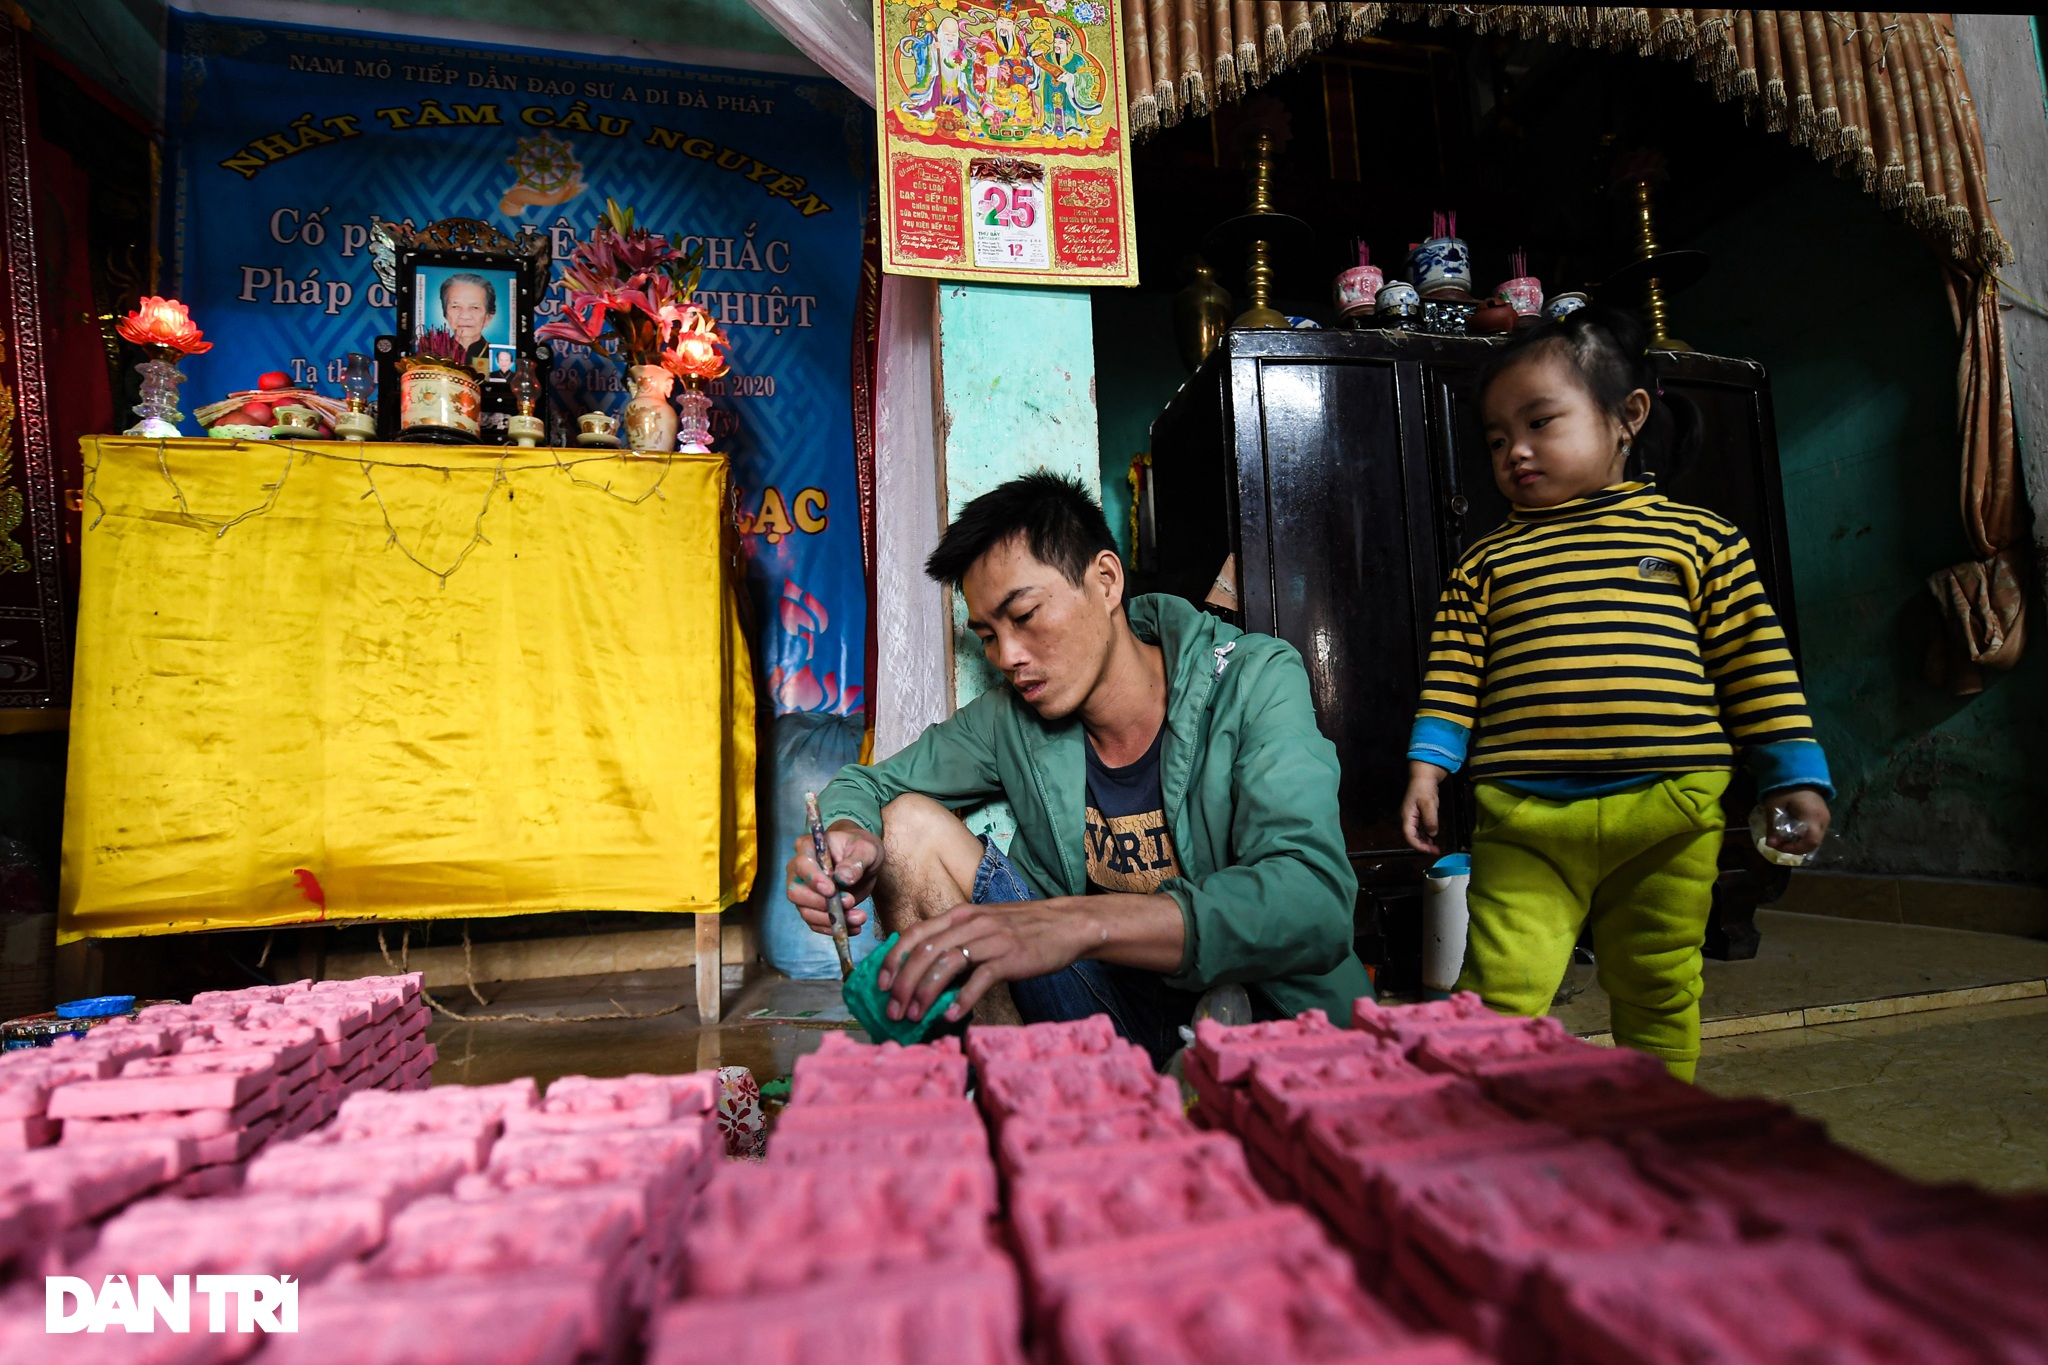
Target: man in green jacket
(1176, 806)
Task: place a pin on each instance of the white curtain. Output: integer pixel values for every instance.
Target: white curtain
(911, 611)
(912, 630)
(838, 35)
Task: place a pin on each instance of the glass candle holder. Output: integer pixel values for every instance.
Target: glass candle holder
(356, 424)
(523, 426)
(158, 410)
(693, 431)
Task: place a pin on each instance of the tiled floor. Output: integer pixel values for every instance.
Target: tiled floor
(1817, 963)
(1952, 1093)
(1949, 1094)
(1957, 1094)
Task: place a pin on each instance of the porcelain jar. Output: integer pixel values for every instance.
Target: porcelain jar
(1441, 263)
(1398, 300)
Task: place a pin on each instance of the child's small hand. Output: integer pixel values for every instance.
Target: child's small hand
(1419, 806)
(1806, 807)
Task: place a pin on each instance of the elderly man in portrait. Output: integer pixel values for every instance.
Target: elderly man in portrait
(468, 303)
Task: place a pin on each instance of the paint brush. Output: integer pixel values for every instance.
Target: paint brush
(835, 905)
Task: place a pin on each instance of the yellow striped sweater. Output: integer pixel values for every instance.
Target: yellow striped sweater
(1615, 634)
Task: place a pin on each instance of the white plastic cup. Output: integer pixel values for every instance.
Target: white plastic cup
(1445, 921)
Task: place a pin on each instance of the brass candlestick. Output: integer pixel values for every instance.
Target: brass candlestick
(1262, 233)
(1656, 271)
(1258, 270)
(1653, 288)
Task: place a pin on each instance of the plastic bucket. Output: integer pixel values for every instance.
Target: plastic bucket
(1444, 921)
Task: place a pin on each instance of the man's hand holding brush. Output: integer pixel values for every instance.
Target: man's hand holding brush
(856, 859)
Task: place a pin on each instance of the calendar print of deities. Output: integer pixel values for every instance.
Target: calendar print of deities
(1003, 134)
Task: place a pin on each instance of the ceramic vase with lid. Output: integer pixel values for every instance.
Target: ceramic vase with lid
(1398, 299)
(649, 422)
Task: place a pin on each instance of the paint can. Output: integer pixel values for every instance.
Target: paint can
(1444, 922)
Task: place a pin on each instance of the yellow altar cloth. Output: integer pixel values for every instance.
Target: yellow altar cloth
(442, 682)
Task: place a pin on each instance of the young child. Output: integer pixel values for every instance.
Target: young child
(1596, 661)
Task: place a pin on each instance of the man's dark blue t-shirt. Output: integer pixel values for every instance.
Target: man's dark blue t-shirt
(1130, 848)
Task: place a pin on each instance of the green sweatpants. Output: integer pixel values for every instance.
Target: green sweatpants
(1638, 865)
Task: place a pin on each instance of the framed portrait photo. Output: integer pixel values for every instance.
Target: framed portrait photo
(464, 277)
(475, 303)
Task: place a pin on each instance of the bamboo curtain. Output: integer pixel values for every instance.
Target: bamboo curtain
(1880, 96)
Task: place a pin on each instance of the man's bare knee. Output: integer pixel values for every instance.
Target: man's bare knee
(928, 860)
(918, 831)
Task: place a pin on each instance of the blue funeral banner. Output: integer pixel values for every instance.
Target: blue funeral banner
(287, 143)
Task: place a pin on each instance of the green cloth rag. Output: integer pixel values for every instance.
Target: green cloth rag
(869, 1004)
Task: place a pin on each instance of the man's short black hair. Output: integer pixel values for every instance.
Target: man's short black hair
(1057, 518)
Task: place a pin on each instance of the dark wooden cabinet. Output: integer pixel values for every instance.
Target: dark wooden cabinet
(1348, 474)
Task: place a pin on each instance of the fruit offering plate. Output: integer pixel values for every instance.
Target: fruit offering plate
(242, 414)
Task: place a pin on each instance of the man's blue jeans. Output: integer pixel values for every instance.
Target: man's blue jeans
(1143, 1007)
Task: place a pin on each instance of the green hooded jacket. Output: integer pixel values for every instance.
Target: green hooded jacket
(1250, 787)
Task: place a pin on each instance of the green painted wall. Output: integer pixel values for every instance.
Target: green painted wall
(118, 43)
(1016, 393)
(1848, 312)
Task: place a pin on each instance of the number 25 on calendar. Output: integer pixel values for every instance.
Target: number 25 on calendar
(1009, 206)
(1009, 224)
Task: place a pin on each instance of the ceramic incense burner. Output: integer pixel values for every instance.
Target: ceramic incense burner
(1441, 263)
(1525, 293)
(437, 402)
